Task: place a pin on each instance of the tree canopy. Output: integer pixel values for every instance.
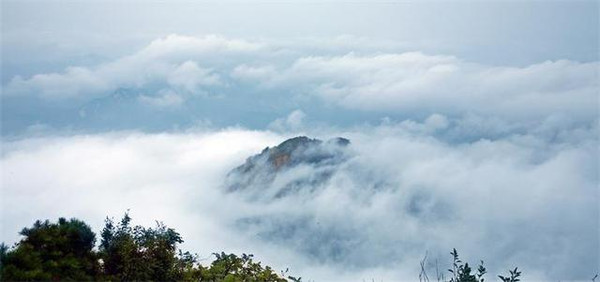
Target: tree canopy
(52, 251)
(65, 251)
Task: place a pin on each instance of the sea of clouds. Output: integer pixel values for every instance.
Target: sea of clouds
(499, 162)
(179, 81)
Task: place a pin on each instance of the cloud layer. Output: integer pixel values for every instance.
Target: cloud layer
(168, 62)
(246, 76)
(418, 82)
(522, 200)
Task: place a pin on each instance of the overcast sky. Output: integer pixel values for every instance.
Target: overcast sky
(50, 34)
(480, 115)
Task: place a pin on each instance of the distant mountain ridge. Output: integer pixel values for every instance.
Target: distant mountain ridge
(260, 171)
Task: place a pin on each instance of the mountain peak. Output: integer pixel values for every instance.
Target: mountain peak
(263, 168)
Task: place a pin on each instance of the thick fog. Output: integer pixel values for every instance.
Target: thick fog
(526, 200)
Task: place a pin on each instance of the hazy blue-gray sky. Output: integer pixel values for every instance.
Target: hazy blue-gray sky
(499, 32)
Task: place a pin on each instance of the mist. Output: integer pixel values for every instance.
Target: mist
(523, 199)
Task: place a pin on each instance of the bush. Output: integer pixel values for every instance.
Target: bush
(462, 272)
(64, 251)
(52, 251)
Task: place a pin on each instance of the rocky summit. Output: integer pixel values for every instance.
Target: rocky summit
(286, 162)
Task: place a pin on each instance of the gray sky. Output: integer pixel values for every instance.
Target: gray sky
(50, 34)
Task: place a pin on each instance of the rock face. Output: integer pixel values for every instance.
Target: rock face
(279, 169)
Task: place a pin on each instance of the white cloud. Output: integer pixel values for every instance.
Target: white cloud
(174, 46)
(245, 72)
(417, 82)
(67, 84)
(523, 200)
(436, 121)
(190, 77)
(158, 177)
(413, 83)
(293, 122)
(170, 61)
(166, 98)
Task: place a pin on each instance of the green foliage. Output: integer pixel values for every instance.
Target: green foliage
(64, 251)
(51, 251)
(230, 268)
(512, 277)
(138, 253)
(462, 272)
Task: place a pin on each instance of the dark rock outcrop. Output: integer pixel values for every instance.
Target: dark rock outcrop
(261, 170)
